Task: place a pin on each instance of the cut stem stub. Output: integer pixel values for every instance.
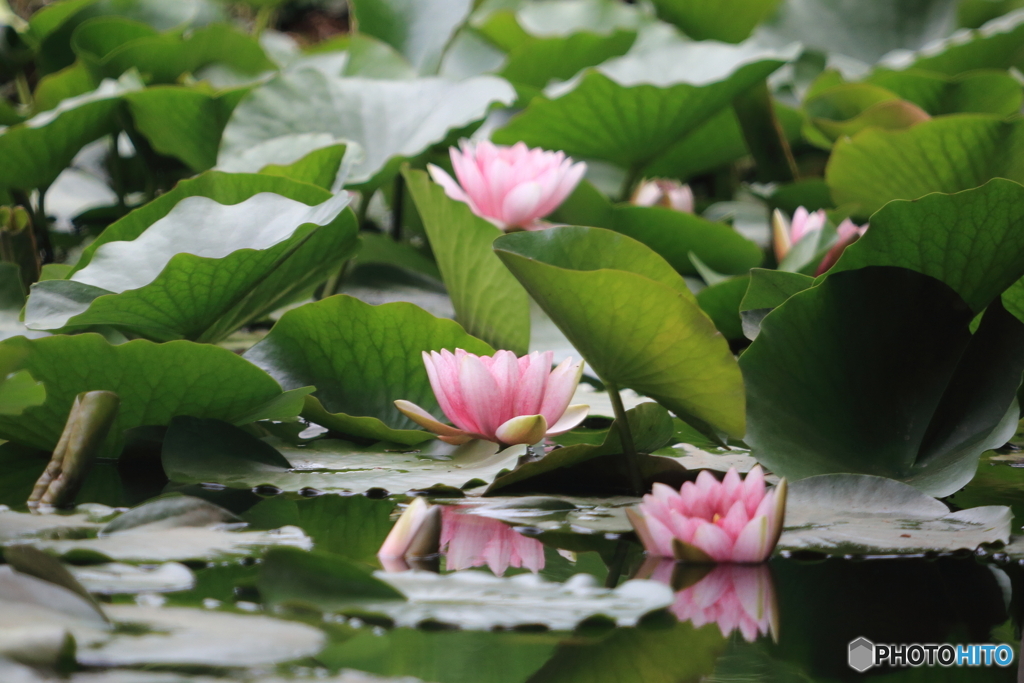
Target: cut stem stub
(91, 416)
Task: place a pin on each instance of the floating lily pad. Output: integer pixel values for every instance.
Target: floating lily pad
(862, 514)
(333, 465)
(200, 271)
(178, 544)
(478, 601)
(201, 637)
(116, 578)
(387, 119)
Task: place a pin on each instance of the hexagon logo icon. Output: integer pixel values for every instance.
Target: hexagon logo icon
(862, 654)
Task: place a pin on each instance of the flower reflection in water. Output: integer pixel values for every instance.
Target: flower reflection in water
(733, 596)
(466, 540)
(469, 540)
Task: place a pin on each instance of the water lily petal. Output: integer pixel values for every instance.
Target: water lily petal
(572, 416)
(426, 420)
(524, 429)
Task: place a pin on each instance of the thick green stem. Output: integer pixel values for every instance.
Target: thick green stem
(396, 208)
(636, 479)
(764, 135)
(24, 91)
(18, 243)
(91, 416)
(618, 561)
(264, 18)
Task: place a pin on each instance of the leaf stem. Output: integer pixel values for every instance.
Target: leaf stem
(636, 480)
(396, 208)
(24, 90)
(764, 135)
(264, 18)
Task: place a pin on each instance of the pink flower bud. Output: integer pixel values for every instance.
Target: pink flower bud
(670, 194)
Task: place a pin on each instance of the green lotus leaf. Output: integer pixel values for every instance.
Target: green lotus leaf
(190, 265)
(488, 300)
(730, 21)
(418, 29)
(632, 318)
(875, 371)
(155, 383)
(947, 154)
(36, 151)
(630, 109)
(305, 109)
(973, 240)
(362, 359)
(110, 46)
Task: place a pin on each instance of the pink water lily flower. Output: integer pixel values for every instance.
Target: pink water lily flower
(788, 233)
(735, 520)
(849, 232)
(469, 540)
(670, 194)
(512, 187)
(733, 597)
(499, 398)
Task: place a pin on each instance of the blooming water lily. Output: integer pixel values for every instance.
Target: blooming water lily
(499, 398)
(733, 520)
(512, 187)
(786, 234)
(670, 194)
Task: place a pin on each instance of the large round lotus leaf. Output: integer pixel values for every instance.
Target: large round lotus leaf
(154, 381)
(875, 371)
(632, 317)
(488, 300)
(730, 21)
(630, 109)
(388, 119)
(361, 358)
(218, 252)
(947, 154)
(864, 30)
(36, 151)
(419, 29)
(973, 240)
(996, 45)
